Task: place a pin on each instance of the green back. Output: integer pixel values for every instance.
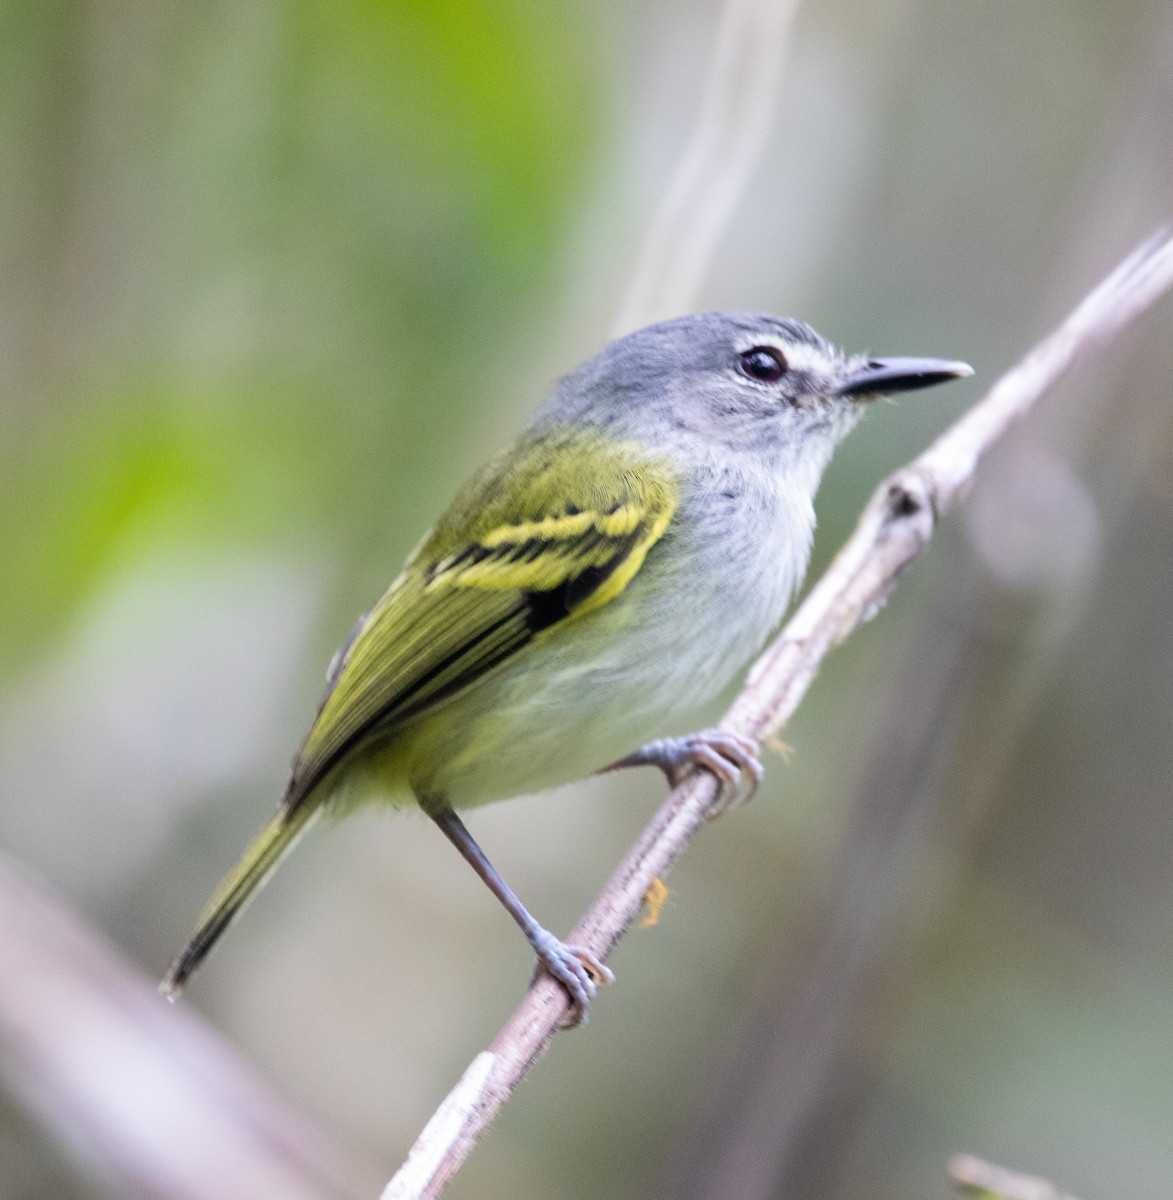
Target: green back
(542, 535)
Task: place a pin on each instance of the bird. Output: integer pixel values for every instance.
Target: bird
(585, 592)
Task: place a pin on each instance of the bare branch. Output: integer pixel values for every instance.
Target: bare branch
(717, 165)
(974, 1175)
(900, 517)
(896, 525)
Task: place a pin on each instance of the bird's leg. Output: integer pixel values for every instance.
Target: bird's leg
(732, 758)
(575, 967)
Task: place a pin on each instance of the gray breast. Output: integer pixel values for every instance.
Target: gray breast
(740, 546)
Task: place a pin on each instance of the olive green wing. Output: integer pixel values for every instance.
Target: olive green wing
(557, 532)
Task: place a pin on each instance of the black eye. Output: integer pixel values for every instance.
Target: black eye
(766, 364)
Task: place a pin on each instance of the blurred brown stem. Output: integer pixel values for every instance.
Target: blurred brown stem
(717, 164)
(895, 526)
(149, 1095)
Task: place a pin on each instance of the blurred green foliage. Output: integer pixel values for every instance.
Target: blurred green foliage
(243, 249)
(273, 277)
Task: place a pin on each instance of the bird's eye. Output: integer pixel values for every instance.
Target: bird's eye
(766, 364)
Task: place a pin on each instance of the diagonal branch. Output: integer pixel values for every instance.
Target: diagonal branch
(895, 527)
(154, 1101)
(899, 519)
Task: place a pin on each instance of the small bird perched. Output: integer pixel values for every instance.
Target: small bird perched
(584, 593)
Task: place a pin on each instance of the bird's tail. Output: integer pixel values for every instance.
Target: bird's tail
(237, 888)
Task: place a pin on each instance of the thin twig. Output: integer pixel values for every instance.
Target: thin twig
(976, 1177)
(900, 516)
(718, 163)
(896, 525)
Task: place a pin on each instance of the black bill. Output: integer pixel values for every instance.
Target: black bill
(883, 376)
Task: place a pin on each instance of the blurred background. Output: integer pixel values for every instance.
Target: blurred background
(275, 277)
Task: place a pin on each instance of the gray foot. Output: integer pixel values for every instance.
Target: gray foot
(733, 759)
(575, 968)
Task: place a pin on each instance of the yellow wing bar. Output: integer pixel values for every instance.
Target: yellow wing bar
(479, 590)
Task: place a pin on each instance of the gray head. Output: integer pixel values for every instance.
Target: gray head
(740, 381)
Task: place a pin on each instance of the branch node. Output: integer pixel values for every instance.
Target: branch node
(910, 494)
(897, 524)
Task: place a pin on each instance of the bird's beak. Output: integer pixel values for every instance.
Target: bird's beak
(883, 376)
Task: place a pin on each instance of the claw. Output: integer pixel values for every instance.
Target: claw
(578, 970)
(731, 757)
